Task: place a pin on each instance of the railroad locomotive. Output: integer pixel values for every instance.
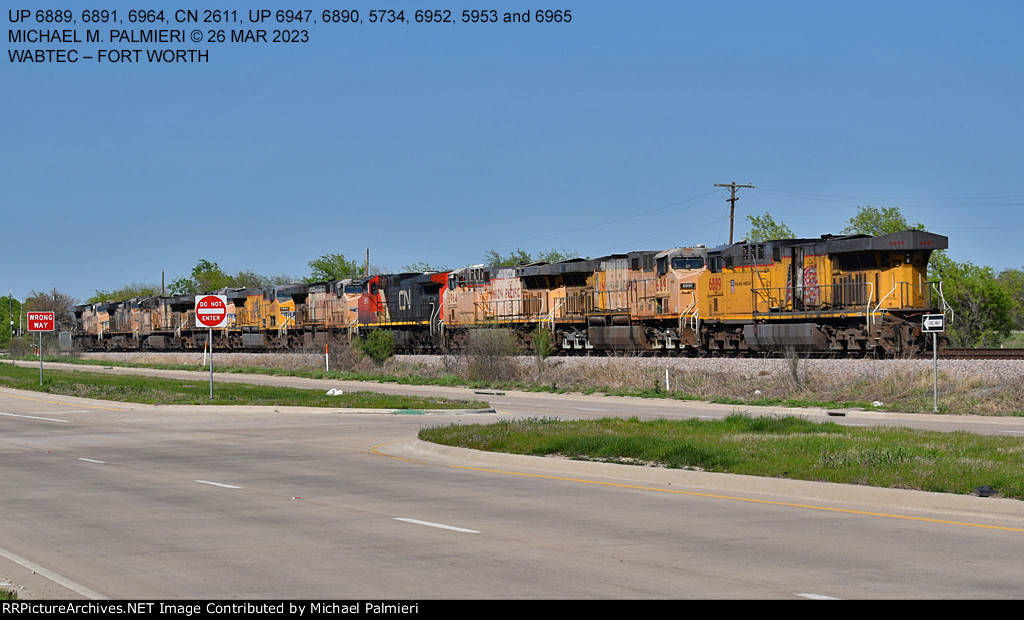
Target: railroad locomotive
(845, 295)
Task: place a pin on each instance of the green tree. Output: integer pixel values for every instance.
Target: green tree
(251, 279)
(1013, 281)
(57, 302)
(128, 291)
(520, 256)
(333, 267)
(555, 256)
(423, 267)
(982, 306)
(764, 228)
(495, 258)
(10, 308)
(206, 276)
(878, 221)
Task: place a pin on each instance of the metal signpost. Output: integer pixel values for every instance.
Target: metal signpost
(41, 322)
(211, 311)
(934, 324)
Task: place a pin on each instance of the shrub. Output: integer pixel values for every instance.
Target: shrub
(490, 355)
(541, 347)
(379, 345)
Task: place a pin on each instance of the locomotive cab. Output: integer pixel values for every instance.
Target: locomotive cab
(679, 271)
(408, 304)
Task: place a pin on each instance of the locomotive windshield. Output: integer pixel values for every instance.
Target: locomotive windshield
(688, 262)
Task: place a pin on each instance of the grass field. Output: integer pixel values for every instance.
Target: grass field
(150, 390)
(778, 447)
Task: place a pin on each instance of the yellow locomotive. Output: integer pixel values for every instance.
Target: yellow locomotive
(845, 295)
(848, 295)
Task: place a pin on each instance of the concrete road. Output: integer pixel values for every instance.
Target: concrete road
(583, 406)
(136, 502)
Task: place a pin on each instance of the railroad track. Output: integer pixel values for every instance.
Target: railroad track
(946, 354)
(978, 354)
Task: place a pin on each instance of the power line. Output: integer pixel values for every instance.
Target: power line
(671, 234)
(946, 201)
(490, 244)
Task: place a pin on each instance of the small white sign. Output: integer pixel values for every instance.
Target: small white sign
(931, 323)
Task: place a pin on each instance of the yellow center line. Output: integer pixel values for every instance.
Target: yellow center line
(56, 402)
(708, 495)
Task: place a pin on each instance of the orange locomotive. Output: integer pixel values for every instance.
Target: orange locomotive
(846, 295)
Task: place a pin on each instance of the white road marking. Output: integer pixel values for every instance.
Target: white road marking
(32, 417)
(52, 576)
(818, 597)
(589, 409)
(438, 525)
(92, 461)
(217, 484)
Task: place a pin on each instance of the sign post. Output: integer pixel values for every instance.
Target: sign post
(40, 322)
(211, 311)
(934, 324)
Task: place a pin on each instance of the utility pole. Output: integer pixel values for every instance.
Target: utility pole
(732, 202)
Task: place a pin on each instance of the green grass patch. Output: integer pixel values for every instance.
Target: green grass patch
(150, 390)
(773, 446)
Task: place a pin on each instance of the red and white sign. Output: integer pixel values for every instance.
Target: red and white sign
(211, 311)
(40, 321)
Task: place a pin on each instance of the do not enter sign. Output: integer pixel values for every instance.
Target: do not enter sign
(211, 311)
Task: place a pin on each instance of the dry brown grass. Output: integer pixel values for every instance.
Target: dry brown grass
(974, 388)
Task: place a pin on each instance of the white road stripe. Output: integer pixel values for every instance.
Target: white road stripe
(52, 576)
(818, 597)
(92, 461)
(589, 409)
(438, 525)
(32, 417)
(217, 484)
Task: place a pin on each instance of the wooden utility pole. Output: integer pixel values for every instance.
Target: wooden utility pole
(732, 202)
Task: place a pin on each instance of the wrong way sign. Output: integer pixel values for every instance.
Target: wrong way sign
(40, 321)
(211, 311)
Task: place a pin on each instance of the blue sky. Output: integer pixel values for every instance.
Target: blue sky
(438, 142)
